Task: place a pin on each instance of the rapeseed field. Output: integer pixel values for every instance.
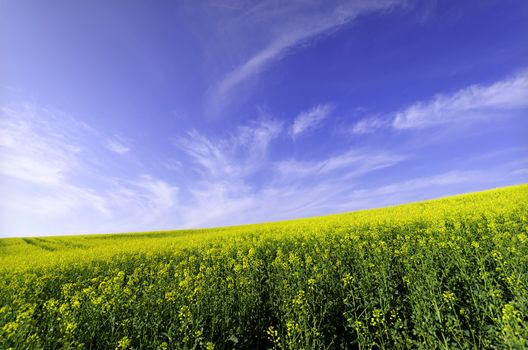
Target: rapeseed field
(443, 274)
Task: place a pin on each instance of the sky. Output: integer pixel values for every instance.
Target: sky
(152, 115)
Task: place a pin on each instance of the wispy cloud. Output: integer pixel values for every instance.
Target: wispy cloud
(238, 154)
(117, 145)
(140, 203)
(370, 124)
(226, 190)
(223, 168)
(292, 25)
(353, 162)
(48, 170)
(473, 102)
(413, 189)
(335, 194)
(420, 183)
(311, 119)
(33, 149)
(205, 154)
(300, 188)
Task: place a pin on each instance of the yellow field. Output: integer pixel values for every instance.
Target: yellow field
(448, 273)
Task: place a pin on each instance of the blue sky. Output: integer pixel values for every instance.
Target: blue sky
(141, 115)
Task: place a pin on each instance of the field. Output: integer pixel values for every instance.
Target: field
(449, 273)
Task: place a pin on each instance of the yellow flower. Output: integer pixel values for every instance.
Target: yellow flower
(510, 313)
(346, 279)
(123, 343)
(299, 298)
(376, 317)
(71, 327)
(449, 296)
(76, 303)
(11, 327)
(292, 327)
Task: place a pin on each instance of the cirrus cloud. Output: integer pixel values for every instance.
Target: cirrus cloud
(473, 102)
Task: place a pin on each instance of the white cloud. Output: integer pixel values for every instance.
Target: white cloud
(117, 145)
(32, 148)
(159, 193)
(290, 25)
(226, 190)
(310, 120)
(334, 194)
(48, 164)
(208, 156)
(50, 202)
(216, 202)
(239, 154)
(353, 163)
(370, 124)
(356, 197)
(420, 183)
(473, 102)
(476, 102)
(171, 164)
(223, 166)
(305, 188)
(257, 137)
(142, 203)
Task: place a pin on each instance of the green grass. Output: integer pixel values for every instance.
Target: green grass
(448, 273)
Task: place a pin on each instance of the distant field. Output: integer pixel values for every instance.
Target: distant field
(448, 273)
